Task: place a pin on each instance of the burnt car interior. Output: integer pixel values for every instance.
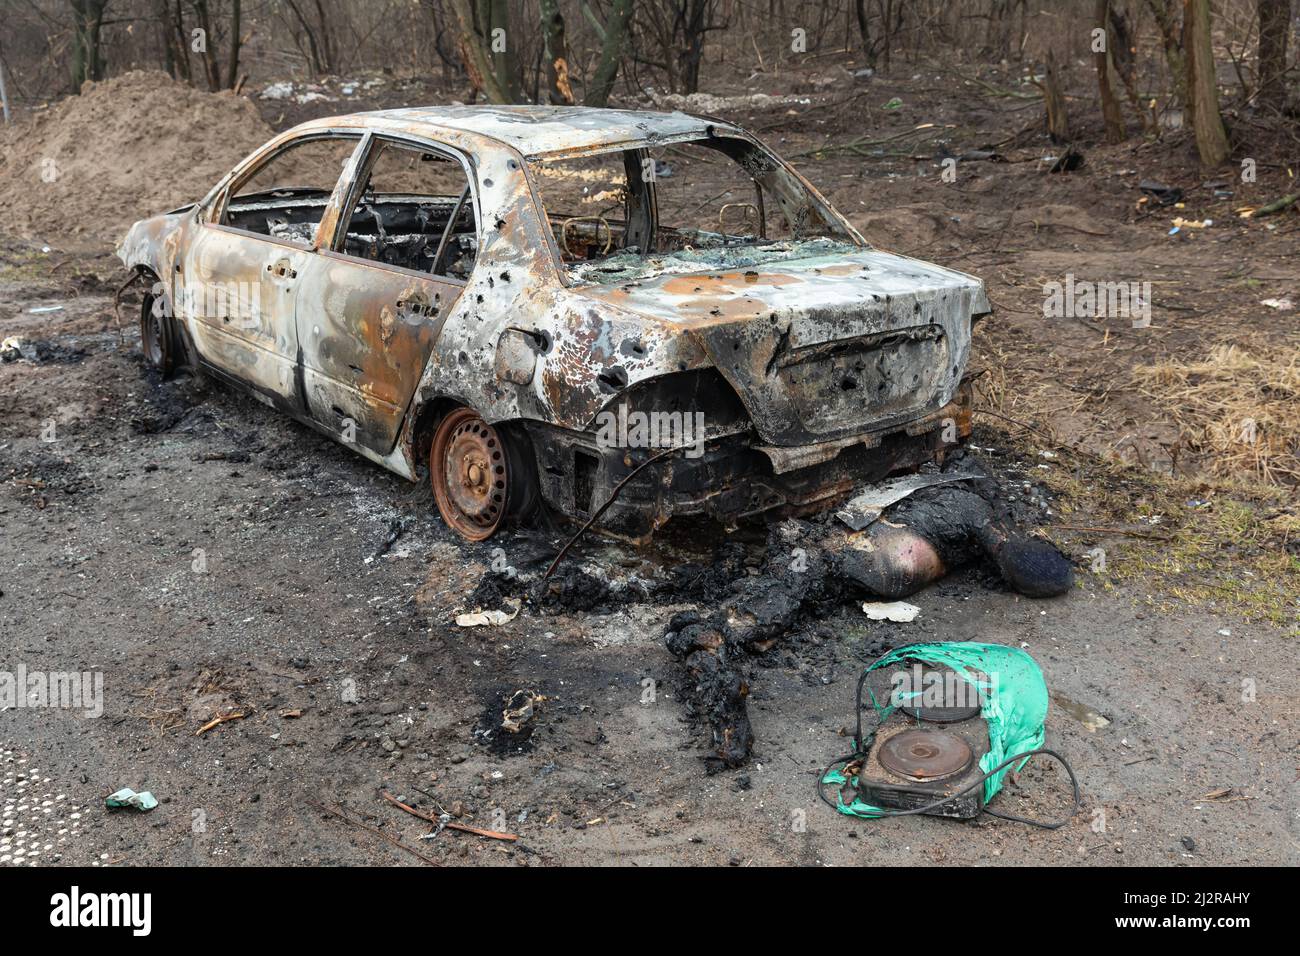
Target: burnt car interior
(410, 208)
(624, 205)
(285, 197)
(413, 209)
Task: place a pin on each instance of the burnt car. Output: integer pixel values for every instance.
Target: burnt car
(563, 305)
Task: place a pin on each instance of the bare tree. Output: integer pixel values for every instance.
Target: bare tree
(232, 55)
(475, 51)
(87, 54)
(1166, 16)
(880, 46)
(678, 29)
(1202, 84)
(1101, 55)
(503, 42)
(316, 32)
(613, 36)
(553, 51)
(1058, 118)
(1273, 33)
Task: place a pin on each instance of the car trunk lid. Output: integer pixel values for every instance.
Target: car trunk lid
(823, 347)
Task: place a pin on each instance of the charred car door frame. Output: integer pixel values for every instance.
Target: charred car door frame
(258, 347)
(366, 328)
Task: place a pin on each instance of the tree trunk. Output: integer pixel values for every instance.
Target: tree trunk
(1202, 87)
(1273, 31)
(558, 91)
(1171, 39)
(329, 58)
(1110, 110)
(232, 62)
(87, 55)
(167, 52)
(183, 70)
(1058, 120)
(611, 55)
(211, 67)
(864, 30)
(475, 52)
(505, 62)
(313, 48)
(696, 24)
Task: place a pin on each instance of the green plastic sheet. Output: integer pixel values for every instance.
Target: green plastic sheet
(1013, 703)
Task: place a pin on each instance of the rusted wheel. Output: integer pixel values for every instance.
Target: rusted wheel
(470, 469)
(155, 336)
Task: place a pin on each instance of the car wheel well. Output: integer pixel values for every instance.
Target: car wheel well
(426, 422)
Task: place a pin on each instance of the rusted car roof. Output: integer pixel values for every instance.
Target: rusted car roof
(541, 130)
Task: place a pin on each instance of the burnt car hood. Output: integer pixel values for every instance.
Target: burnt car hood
(823, 347)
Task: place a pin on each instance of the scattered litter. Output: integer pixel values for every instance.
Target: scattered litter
(11, 350)
(291, 714)
(217, 721)
(1227, 795)
(898, 611)
(445, 822)
(479, 617)
(520, 710)
(126, 798)
(1282, 305)
(277, 91)
(979, 156)
(1181, 223)
(42, 309)
(286, 91)
(1162, 194)
(709, 103)
(893, 104)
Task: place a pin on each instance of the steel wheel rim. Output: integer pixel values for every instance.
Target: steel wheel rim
(470, 473)
(153, 348)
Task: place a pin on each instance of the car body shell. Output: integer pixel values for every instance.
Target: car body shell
(368, 352)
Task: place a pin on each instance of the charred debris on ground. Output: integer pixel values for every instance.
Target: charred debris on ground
(767, 591)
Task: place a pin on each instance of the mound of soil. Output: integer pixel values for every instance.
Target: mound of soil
(124, 149)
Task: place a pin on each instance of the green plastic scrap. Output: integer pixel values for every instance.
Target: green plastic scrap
(1013, 703)
(128, 798)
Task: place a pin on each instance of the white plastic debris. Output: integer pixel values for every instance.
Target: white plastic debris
(277, 91)
(480, 618)
(898, 611)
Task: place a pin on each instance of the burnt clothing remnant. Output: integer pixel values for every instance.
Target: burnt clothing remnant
(811, 567)
(941, 528)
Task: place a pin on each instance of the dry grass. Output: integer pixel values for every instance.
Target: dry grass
(1223, 544)
(1238, 409)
